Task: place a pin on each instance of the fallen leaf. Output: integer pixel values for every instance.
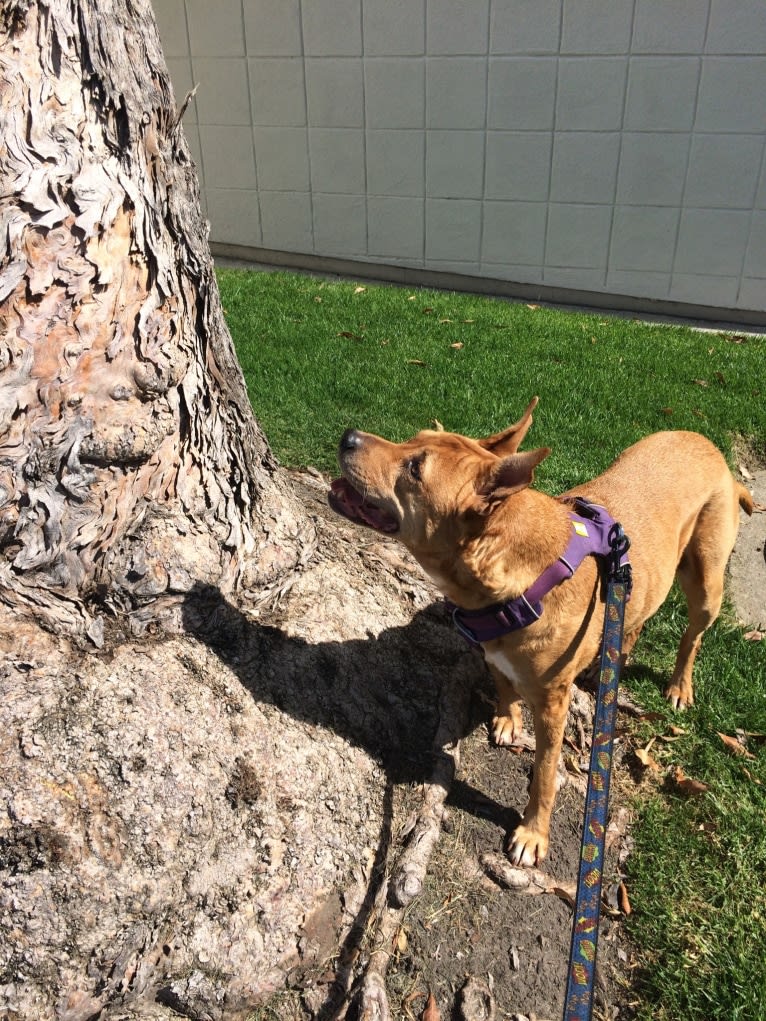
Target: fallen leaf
(349, 335)
(437, 425)
(427, 310)
(698, 413)
(744, 472)
(750, 776)
(753, 636)
(567, 896)
(446, 320)
(317, 299)
(359, 290)
(643, 756)
(431, 1011)
(624, 900)
(533, 307)
(667, 411)
(415, 361)
(701, 382)
(685, 784)
(734, 746)
(457, 345)
(401, 941)
(469, 320)
(676, 731)
(720, 377)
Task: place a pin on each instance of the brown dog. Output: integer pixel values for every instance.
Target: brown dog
(464, 508)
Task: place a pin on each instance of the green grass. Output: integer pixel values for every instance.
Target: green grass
(320, 356)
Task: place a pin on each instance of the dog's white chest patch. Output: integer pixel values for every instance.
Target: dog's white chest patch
(500, 662)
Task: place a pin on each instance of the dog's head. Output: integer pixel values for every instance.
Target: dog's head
(435, 486)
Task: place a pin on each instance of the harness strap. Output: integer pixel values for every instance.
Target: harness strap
(592, 528)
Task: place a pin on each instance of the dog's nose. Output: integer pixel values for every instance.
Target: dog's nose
(350, 440)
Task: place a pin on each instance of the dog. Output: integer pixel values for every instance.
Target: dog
(466, 510)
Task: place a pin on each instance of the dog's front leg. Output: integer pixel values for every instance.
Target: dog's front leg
(528, 844)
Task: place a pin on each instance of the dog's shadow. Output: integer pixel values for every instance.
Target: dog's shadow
(382, 694)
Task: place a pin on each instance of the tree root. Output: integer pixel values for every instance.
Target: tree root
(410, 872)
(526, 880)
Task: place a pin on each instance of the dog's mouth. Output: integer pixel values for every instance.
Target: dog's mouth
(346, 500)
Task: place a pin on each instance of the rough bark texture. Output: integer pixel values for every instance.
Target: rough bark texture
(192, 823)
(130, 464)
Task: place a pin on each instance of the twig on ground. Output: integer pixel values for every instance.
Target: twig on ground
(411, 870)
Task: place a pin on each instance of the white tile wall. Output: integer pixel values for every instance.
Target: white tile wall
(603, 145)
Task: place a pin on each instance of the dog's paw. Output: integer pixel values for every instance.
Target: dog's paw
(680, 696)
(506, 730)
(527, 846)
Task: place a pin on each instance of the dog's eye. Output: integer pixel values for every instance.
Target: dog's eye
(414, 466)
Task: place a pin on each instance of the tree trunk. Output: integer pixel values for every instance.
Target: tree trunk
(131, 467)
(194, 815)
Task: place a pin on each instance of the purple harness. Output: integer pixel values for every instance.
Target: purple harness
(594, 532)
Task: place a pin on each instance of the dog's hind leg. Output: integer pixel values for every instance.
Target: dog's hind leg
(701, 575)
(507, 723)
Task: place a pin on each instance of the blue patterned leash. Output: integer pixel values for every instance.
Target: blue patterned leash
(578, 1005)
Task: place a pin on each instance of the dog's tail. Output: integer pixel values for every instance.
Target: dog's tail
(745, 499)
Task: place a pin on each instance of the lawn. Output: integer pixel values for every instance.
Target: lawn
(319, 356)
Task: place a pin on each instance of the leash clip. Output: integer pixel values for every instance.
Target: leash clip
(619, 545)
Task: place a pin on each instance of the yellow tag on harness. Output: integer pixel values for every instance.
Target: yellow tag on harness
(580, 528)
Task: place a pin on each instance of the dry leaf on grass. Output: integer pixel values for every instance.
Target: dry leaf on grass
(753, 636)
(733, 745)
(686, 785)
(359, 290)
(647, 760)
(623, 899)
(415, 361)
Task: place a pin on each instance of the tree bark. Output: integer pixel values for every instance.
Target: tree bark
(188, 822)
(131, 467)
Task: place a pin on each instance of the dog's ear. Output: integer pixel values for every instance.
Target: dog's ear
(508, 476)
(509, 440)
